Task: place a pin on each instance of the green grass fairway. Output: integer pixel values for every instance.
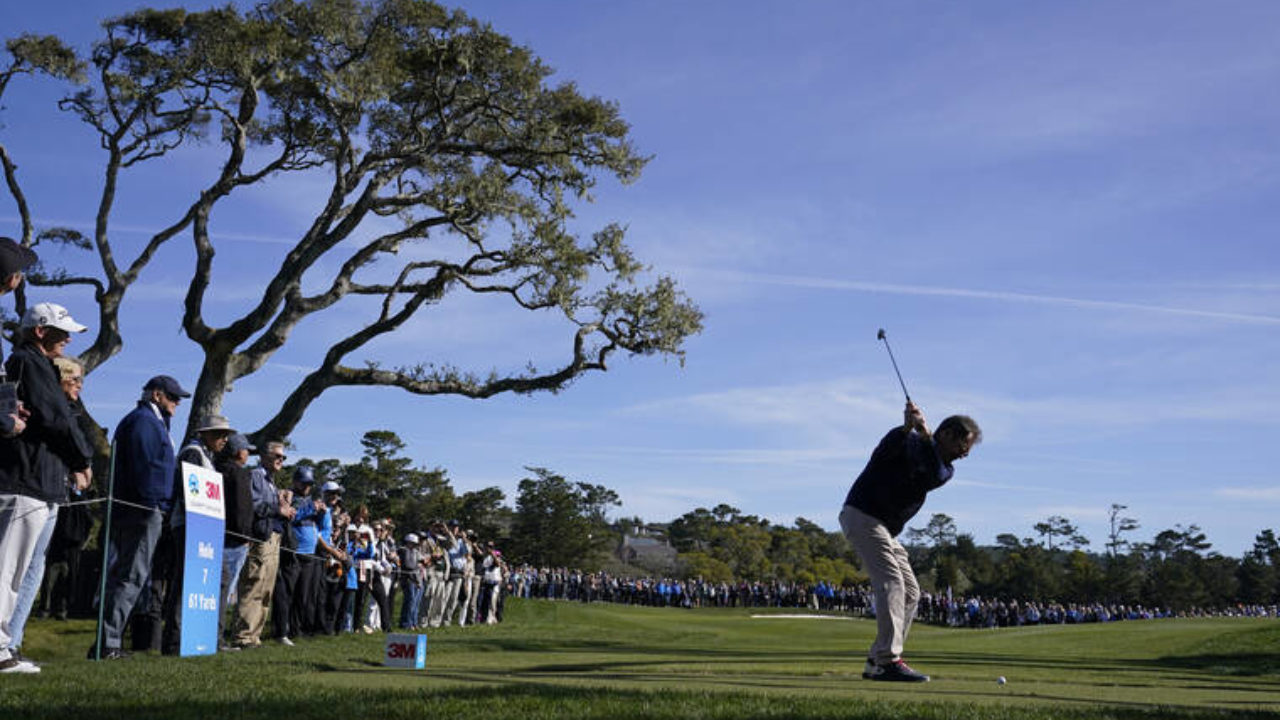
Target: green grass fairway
(556, 659)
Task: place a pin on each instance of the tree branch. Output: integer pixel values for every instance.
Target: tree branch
(15, 189)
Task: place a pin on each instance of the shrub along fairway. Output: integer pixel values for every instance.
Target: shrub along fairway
(559, 659)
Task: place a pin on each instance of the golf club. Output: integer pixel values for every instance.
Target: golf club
(881, 336)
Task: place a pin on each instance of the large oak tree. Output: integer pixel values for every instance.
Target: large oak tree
(431, 132)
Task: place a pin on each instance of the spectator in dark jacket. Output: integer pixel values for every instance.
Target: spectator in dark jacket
(34, 465)
(237, 492)
(14, 261)
(70, 376)
(144, 476)
(212, 434)
(410, 581)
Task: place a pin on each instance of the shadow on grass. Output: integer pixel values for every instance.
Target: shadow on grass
(551, 701)
(1236, 664)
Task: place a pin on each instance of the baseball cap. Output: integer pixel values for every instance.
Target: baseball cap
(304, 476)
(51, 315)
(331, 486)
(14, 257)
(166, 384)
(238, 442)
(411, 538)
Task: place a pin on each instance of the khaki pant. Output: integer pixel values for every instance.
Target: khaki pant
(473, 602)
(437, 594)
(892, 581)
(257, 582)
(452, 594)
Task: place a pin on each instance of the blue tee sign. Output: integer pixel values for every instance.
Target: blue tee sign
(202, 571)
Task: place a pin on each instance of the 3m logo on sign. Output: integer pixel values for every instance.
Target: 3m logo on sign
(401, 650)
(204, 491)
(405, 651)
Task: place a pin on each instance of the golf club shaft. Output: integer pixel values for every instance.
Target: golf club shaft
(885, 338)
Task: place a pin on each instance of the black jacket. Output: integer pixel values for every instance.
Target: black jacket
(238, 501)
(903, 469)
(36, 462)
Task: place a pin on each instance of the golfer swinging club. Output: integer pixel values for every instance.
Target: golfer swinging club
(905, 466)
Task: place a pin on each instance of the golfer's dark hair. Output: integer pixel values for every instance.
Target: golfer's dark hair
(960, 426)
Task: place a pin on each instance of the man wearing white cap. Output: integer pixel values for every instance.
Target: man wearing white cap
(36, 464)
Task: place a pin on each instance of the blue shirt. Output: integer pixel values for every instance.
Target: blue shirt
(311, 525)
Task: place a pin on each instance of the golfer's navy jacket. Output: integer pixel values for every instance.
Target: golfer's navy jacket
(902, 470)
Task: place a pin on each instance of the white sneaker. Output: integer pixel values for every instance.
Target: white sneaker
(286, 641)
(16, 666)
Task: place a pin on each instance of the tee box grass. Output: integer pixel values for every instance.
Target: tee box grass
(563, 659)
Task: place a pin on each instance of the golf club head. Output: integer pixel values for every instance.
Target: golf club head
(880, 334)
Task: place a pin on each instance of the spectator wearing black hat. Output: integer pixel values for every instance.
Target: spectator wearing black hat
(144, 477)
(14, 261)
(290, 601)
(237, 492)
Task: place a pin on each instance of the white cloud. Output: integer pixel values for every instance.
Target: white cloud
(1263, 494)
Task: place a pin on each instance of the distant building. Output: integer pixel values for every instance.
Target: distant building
(646, 546)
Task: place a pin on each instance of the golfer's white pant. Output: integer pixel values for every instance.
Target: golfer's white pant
(892, 581)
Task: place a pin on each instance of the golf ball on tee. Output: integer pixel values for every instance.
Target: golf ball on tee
(1000, 680)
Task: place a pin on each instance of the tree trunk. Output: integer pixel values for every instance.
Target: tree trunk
(206, 399)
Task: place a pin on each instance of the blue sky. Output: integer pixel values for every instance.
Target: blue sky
(1062, 213)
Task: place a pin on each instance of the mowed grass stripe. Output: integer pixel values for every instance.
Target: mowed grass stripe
(557, 659)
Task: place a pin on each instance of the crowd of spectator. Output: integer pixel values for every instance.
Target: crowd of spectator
(938, 609)
(574, 584)
(978, 612)
(302, 560)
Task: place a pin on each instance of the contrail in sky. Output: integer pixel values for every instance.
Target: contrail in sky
(928, 290)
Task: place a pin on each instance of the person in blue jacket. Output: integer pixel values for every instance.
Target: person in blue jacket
(145, 479)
